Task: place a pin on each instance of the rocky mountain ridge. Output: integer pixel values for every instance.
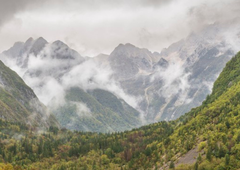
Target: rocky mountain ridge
(51, 69)
(160, 86)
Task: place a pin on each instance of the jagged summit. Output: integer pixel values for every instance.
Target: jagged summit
(128, 60)
(129, 45)
(121, 47)
(29, 41)
(34, 46)
(60, 43)
(26, 55)
(189, 66)
(129, 48)
(40, 40)
(38, 45)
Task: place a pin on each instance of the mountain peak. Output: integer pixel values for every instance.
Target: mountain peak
(60, 43)
(129, 45)
(38, 45)
(125, 46)
(131, 50)
(126, 49)
(41, 40)
(29, 41)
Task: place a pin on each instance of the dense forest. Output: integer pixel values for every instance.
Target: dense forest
(212, 131)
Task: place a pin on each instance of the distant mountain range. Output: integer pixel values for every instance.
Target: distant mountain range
(175, 80)
(207, 137)
(49, 69)
(126, 89)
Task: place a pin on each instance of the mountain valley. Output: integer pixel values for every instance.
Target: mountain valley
(119, 85)
(153, 86)
(212, 130)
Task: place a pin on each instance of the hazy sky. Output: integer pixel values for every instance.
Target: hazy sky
(98, 26)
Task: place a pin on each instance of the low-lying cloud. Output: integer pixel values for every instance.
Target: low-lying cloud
(51, 76)
(175, 81)
(91, 75)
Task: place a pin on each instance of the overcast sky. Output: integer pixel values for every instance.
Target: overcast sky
(98, 26)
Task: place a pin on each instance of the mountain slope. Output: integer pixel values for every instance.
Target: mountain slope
(214, 126)
(162, 86)
(206, 138)
(54, 70)
(96, 111)
(19, 103)
(128, 60)
(177, 79)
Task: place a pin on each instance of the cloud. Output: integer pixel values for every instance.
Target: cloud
(43, 87)
(175, 81)
(9, 8)
(57, 68)
(82, 109)
(91, 75)
(232, 38)
(93, 27)
(215, 11)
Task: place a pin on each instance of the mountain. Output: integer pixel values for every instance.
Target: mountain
(62, 79)
(19, 103)
(207, 137)
(127, 61)
(96, 111)
(179, 78)
(159, 86)
(37, 48)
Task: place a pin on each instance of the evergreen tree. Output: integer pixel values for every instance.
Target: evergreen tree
(172, 165)
(209, 154)
(196, 166)
(227, 159)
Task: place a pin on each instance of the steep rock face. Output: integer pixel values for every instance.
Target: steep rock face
(59, 50)
(21, 51)
(41, 64)
(50, 73)
(219, 110)
(162, 63)
(128, 60)
(212, 131)
(38, 46)
(19, 103)
(202, 57)
(177, 79)
(165, 85)
(202, 73)
(39, 50)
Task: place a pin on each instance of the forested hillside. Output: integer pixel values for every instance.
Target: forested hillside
(19, 103)
(96, 111)
(211, 133)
